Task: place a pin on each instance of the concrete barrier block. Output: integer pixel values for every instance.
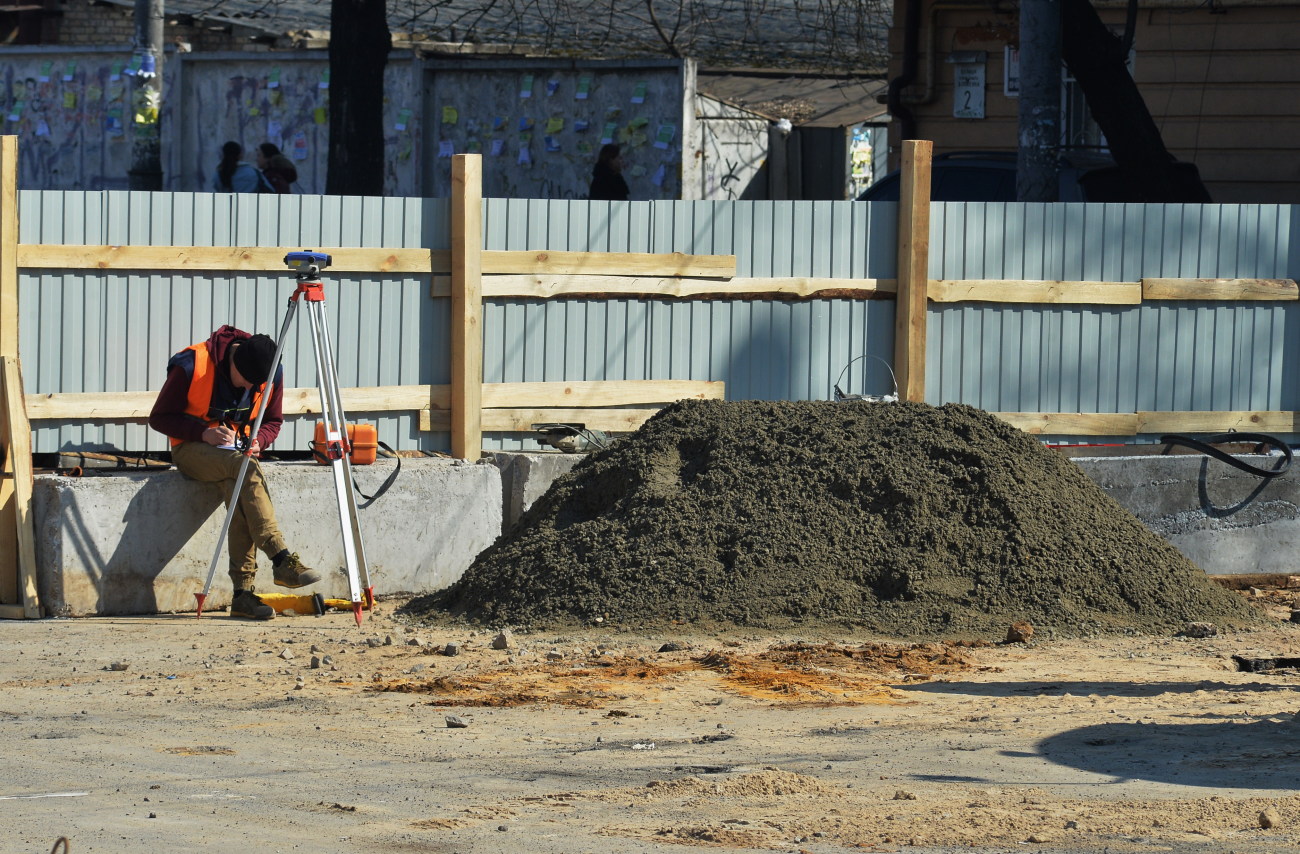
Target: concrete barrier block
(1227, 521)
(142, 543)
(525, 478)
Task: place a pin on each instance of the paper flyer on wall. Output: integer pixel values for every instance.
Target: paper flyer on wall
(584, 87)
(446, 148)
(526, 88)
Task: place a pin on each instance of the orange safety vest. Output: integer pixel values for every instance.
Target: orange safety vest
(199, 401)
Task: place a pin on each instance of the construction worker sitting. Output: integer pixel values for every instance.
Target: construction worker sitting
(207, 406)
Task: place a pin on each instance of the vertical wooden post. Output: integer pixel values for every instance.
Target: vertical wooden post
(18, 564)
(17, 544)
(913, 269)
(8, 246)
(467, 306)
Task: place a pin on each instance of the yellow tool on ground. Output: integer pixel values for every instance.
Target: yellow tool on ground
(309, 603)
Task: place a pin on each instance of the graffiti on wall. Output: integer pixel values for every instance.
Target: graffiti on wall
(540, 130)
(73, 118)
(735, 148)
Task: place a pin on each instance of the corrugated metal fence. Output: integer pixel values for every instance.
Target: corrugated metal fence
(1157, 356)
(89, 331)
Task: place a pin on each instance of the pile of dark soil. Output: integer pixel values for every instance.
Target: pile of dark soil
(901, 519)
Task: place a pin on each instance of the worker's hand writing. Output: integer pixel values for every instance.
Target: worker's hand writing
(219, 435)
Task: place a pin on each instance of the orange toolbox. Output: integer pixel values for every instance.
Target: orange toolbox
(363, 438)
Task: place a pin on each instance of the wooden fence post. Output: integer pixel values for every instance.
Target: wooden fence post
(467, 306)
(17, 542)
(913, 269)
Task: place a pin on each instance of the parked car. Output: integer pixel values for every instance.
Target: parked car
(978, 176)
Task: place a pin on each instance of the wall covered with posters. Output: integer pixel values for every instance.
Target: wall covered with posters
(70, 109)
(281, 98)
(540, 124)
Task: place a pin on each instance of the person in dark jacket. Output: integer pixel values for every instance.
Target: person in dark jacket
(208, 403)
(607, 176)
(277, 169)
(233, 175)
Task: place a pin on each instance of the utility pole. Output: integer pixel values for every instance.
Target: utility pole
(1037, 173)
(146, 96)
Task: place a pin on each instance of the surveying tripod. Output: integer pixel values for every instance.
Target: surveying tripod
(307, 265)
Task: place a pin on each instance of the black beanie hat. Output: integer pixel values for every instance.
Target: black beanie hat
(253, 358)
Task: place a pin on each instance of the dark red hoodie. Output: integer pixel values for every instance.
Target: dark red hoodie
(168, 416)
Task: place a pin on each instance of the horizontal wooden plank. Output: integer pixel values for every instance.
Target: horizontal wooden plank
(610, 420)
(1220, 289)
(545, 287)
(135, 405)
(522, 420)
(548, 263)
(1134, 423)
(300, 401)
(597, 393)
(1035, 291)
(231, 258)
(12, 612)
(1073, 423)
(1218, 422)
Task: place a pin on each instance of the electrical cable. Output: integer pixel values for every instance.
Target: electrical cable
(1206, 446)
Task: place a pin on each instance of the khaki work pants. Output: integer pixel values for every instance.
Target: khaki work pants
(253, 525)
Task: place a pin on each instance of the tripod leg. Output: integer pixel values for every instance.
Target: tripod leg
(243, 465)
(336, 436)
(336, 404)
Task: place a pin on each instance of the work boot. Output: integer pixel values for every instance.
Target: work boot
(290, 572)
(246, 604)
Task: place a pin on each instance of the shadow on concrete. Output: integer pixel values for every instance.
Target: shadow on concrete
(154, 531)
(1213, 510)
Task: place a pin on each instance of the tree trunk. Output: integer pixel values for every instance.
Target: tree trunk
(1146, 170)
(359, 46)
(1039, 110)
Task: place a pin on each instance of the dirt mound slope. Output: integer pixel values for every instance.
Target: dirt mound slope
(902, 519)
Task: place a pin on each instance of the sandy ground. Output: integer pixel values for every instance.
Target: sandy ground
(174, 734)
